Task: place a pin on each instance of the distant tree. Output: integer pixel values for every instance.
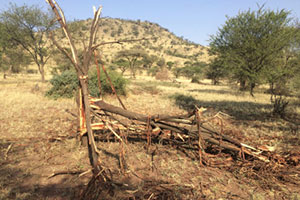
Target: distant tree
(193, 71)
(3, 46)
(135, 30)
(149, 60)
(62, 62)
(161, 62)
(176, 71)
(215, 71)
(132, 56)
(122, 64)
(27, 27)
(16, 60)
(250, 42)
(12, 58)
(170, 64)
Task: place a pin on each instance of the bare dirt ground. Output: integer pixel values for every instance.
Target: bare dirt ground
(38, 145)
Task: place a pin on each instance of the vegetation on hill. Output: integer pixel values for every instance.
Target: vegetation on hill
(159, 44)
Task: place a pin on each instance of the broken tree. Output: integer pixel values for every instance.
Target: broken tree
(82, 70)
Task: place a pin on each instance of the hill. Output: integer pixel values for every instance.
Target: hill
(161, 43)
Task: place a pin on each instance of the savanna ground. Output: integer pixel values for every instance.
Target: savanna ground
(38, 139)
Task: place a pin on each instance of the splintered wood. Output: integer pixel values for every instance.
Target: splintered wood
(192, 130)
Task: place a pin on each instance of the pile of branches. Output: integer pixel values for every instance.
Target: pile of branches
(193, 130)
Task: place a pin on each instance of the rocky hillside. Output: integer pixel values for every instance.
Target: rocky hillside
(163, 43)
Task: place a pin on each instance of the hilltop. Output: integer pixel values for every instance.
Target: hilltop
(162, 43)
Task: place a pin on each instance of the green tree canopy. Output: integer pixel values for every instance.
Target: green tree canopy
(216, 70)
(193, 70)
(250, 42)
(133, 56)
(27, 26)
(122, 64)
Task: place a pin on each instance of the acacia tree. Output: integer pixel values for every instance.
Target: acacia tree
(12, 58)
(249, 42)
(28, 27)
(122, 64)
(133, 56)
(148, 61)
(193, 70)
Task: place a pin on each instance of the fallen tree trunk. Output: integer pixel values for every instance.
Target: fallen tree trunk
(160, 121)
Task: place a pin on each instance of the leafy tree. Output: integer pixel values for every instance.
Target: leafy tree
(176, 71)
(215, 71)
(27, 27)
(281, 71)
(133, 56)
(63, 63)
(170, 64)
(3, 46)
(11, 57)
(161, 62)
(122, 64)
(16, 60)
(148, 61)
(250, 42)
(193, 70)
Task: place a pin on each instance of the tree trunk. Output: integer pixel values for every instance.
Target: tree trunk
(91, 142)
(42, 72)
(242, 84)
(252, 86)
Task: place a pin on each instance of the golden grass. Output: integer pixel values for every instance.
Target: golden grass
(26, 114)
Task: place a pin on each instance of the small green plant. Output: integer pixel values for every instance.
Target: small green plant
(65, 85)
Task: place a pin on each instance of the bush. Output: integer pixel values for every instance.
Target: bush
(117, 80)
(195, 79)
(63, 85)
(153, 70)
(66, 84)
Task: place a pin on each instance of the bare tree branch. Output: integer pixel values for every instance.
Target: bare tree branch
(120, 42)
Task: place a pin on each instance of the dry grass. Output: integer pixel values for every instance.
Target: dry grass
(31, 123)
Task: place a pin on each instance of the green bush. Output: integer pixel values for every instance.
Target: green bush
(66, 84)
(63, 85)
(117, 80)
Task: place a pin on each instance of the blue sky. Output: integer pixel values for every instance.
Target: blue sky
(195, 20)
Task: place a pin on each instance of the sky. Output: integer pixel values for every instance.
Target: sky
(195, 20)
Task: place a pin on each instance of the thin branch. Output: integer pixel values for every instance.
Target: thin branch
(62, 49)
(120, 42)
(7, 151)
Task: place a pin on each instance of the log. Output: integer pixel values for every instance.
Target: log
(208, 135)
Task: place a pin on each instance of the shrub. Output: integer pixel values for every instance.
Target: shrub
(66, 84)
(117, 80)
(63, 85)
(195, 79)
(152, 71)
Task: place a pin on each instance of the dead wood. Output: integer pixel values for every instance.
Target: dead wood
(160, 121)
(7, 151)
(82, 71)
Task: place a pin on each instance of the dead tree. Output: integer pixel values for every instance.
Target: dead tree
(82, 70)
